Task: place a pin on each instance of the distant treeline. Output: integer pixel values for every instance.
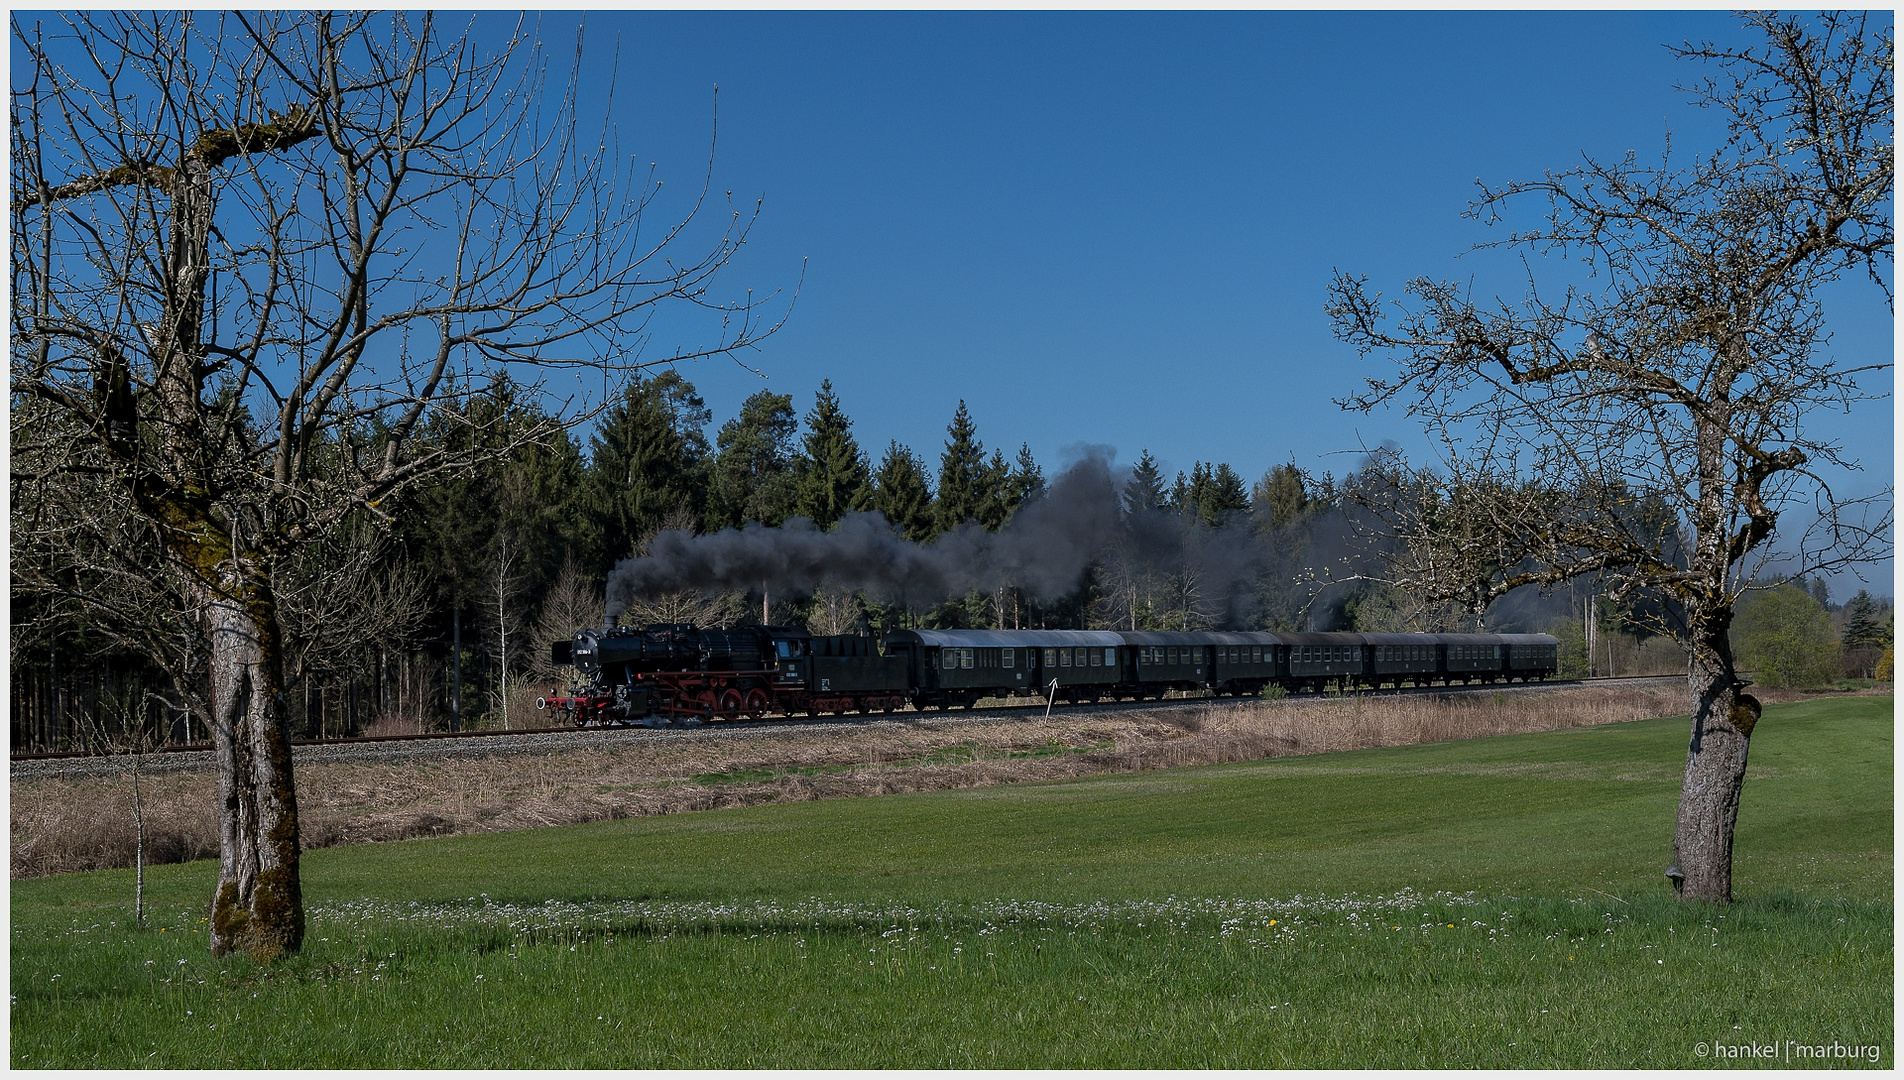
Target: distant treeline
(412, 622)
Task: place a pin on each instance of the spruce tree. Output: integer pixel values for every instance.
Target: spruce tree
(1190, 498)
(752, 475)
(900, 493)
(833, 477)
(995, 505)
(1027, 479)
(640, 468)
(1145, 488)
(1223, 495)
(1863, 625)
(961, 472)
(1182, 497)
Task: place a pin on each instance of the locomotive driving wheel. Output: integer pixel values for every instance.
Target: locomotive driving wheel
(731, 704)
(756, 703)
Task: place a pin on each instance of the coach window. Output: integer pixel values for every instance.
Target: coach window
(1051, 658)
(1097, 657)
(1064, 657)
(1005, 658)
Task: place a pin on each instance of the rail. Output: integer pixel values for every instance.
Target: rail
(356, 740)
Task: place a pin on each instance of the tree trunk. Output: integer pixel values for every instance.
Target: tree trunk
(138, 842)
(258, 906)
(1722, 721)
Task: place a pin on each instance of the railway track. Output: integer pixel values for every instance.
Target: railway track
(547, 740)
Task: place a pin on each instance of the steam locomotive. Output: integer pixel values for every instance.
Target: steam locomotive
(681, 673)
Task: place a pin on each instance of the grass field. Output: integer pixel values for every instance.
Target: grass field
(1492, 902)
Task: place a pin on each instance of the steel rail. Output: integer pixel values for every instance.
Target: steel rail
(854, 717)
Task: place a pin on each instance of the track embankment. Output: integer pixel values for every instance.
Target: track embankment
(539, 740)
(78, 819)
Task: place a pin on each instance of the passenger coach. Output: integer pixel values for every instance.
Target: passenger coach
(684, 673)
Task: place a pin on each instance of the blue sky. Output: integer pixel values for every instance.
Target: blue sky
(1118, 228)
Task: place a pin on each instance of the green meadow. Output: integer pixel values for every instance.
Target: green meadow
(1489, 903)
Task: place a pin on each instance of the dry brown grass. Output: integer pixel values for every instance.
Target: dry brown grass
(70, 823)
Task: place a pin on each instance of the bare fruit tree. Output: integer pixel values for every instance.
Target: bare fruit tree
(1653, 424)
(251, 254)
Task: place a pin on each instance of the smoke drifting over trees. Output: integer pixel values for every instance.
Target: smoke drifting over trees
(1150, 563)
(1044, 548)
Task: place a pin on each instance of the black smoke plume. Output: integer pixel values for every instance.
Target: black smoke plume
(1044, 549)
(1250, 573)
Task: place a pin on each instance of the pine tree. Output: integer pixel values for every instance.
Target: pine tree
(833, 477)
(1182, 497)
(900, 493)
(961, 473)
(1820, 591)
(1223, 496)
(1190, 498)
(1145, 488)
(752, 477)
(640, 467)
(1027, 479)
(995, 505)
(1863, 625)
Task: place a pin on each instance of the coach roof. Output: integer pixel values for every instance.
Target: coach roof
(1198, 637)
(1007, 639)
